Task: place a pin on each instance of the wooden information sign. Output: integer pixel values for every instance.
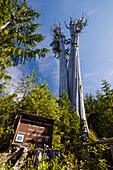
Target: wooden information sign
(34, 129)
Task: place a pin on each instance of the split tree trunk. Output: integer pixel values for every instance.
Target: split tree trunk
(74, 76)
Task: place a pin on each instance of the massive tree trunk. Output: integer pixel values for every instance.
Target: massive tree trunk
(62, 65)
(70, 80)
(74, 75)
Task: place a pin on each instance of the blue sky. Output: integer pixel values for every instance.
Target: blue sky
(95, 44)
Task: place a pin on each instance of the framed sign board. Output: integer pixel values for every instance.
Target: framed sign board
(33, 129)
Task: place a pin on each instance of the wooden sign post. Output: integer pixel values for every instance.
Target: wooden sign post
(34, 129)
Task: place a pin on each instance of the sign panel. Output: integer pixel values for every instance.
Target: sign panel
(33, 129)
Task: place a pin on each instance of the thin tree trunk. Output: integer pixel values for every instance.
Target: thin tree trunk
(71, 66)
(62, 65)
(80, 91)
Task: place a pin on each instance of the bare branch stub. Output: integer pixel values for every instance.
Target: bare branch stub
(66, 25)
(78, 24)
(81, 23)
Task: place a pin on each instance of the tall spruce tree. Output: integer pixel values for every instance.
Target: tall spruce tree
(18, 39)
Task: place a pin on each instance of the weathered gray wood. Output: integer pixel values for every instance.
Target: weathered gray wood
(109, 140)
(21, 162)
(62, 64)
(18, 152)
(71, 65)
(70, 79)
(74, 75)
(80, 91)
(20, 157)
(103, 141)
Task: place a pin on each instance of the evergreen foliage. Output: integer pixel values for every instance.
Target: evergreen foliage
(31, 96)
(55, 43)
(18, 43)
(18, 37)
(68, 126)
(99, 111)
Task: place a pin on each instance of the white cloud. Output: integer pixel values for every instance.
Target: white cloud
(92, 81)
(15, 73)
(89, 75)
(48, 64)
(48, 69)
(93, 11)
(67, 5)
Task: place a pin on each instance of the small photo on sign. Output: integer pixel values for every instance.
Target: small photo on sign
(19, 138)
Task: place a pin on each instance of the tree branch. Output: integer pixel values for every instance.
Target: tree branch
(4, 26)
(66, 25)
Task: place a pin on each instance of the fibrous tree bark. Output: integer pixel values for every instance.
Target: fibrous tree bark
(74, 75)
(70, 76)
(62, 64)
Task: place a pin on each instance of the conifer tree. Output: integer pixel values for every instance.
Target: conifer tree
(99, 111)
(18, 37)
